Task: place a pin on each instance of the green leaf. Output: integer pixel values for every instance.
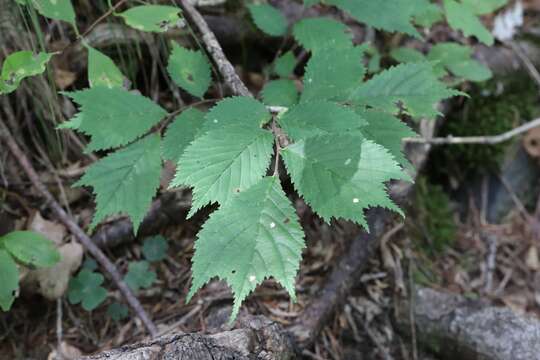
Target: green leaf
(389, 15)
(114, 117)
(190, 70)
(9, 278)
(117, 311)
(86, 288)
(308, 3)
(181, 132)
(405, 54)
(461, 17)
(139, 275)
(255, 236)
(268, 19)
(240, 110)
(280, 92)
(89, 264)
(55, 9)
(30, 248)
(152, 18)
(388, 131)
(20, 65)
(223, 162)
(457, 59)
(470, 70)
(414, 85)
(74, 123)
(320, 33)
(155, 248)
(332, 75)
(102, 71)
(374, 63)
(319, 118)
(428, 15)
(285, 64)
(483, 7)
(341, 175)
(126, 180)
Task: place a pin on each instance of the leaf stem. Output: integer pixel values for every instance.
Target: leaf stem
(278, 147)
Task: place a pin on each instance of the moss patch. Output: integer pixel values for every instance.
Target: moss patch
(432, 223)
(494, 107)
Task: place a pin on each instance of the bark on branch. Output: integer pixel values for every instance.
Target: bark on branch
(458, 328)
(258, 339)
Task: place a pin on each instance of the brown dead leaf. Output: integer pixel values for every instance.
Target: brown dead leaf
(531, 142)
(531, 258)
(517, 302)
(64, 78)
(167, 174)
(51, 230)
(53, 282)
(68, 352)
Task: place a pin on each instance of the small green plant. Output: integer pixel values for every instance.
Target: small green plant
(117, 311)
(155, 248)
(26, 248)
(340, 138)
(433, 222)
(87, 287)
(139, 275)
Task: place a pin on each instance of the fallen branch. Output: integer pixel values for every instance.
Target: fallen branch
(489, 140)
(214, 49)
(69, 222)
(340, 282)
(258, 339)
(458, 328)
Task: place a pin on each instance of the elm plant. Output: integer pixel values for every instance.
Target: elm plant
(339, 138)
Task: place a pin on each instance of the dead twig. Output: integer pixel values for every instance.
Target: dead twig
(74, 228)
(214, 49)
(492, 244)
(480, 140)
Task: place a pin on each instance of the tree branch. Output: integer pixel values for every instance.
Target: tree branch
(74, 228)
(216, 52)
(485, 140)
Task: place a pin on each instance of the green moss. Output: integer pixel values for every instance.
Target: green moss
(432, 223)
(493, 108)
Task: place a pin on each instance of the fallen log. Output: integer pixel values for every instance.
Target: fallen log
(458, 328)
(169, 208)
(257, 339)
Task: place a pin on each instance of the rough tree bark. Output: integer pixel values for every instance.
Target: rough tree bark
(458, 328)
(257, 339)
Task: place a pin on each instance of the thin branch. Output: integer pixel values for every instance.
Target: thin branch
(75, 229)
(482, 140)
(216, 52)
(531, 69)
